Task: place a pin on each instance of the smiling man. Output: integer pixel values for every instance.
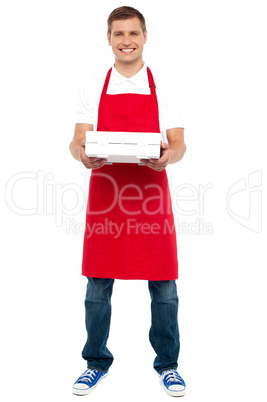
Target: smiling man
(130, 232)
(127, 39)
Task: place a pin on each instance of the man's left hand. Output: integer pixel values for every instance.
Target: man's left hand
(162, 162)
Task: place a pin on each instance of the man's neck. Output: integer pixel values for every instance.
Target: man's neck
(128, 69)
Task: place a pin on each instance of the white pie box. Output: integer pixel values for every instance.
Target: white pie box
(122, 147)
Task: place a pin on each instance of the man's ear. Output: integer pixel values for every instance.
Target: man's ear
(145, 37)
(109, 39)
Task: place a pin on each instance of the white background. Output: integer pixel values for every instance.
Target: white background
(216, 50)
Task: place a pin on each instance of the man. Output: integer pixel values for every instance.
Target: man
(130, 230)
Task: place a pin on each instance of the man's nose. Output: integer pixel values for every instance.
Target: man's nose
(127, 40)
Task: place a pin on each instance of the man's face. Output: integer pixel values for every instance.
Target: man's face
(127, 40)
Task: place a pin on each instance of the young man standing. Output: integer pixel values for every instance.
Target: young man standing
(132, 200)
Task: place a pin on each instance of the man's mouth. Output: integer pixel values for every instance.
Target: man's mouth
(127, 50)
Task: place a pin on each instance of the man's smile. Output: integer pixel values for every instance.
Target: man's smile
(127, 50)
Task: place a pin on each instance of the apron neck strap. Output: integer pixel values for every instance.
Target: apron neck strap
(151, 81)
(105, 87)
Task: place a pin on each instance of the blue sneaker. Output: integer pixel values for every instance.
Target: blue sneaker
(87, 382)
(172, 383)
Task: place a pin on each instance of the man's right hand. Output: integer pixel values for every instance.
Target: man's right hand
(90, 162)
(77, 147)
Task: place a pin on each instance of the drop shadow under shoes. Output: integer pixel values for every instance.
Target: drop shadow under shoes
(172, 383)
(87, 381)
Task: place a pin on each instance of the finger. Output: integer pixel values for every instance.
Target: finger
(144, 161)
(160, 161)
(164, 145)
(83, 154)
(86, 161)
(99, 163)
(152, 166)
(93, 164)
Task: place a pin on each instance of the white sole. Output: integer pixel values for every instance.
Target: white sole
(81, 392)
(173, 393)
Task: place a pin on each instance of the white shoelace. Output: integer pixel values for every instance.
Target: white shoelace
(171, 375)
(88, 375)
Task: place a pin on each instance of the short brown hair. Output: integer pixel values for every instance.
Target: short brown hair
(124, 13)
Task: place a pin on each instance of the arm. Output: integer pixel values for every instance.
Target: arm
(77, 147)
(171, 152)
(177, 146)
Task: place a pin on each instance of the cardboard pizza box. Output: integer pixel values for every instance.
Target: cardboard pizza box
(122, 147)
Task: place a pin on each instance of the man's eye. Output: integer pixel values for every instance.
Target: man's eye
(118, 34)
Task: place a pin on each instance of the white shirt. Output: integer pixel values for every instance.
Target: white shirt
(170, 109)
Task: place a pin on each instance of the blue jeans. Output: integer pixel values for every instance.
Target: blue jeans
(163, 334)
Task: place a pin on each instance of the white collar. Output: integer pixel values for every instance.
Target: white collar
(136, 79)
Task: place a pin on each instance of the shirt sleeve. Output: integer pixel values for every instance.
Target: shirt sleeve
(174, 112)
(85, 109)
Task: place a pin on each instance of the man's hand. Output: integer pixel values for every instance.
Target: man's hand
(162, 162)
(88, 162)
(171, 152)
(77, 147)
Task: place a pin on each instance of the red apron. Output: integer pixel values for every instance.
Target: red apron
(130, 232)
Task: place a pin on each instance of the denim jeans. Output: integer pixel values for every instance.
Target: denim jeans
(163, 334)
